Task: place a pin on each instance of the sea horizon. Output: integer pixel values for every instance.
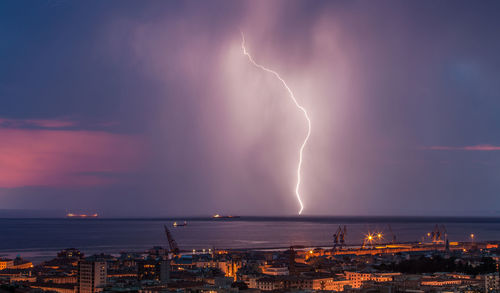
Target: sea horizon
(282, 218)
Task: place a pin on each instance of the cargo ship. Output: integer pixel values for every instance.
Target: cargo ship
(175, 224)
(217, 216)
(81, 216)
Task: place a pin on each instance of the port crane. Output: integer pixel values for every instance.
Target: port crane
(174, 248)
(438, 233)
(445, 232)
(393, 241)
(339, 237)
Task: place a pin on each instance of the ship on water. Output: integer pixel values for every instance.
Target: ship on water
(81, 216)
(175, 224)
(218, 216)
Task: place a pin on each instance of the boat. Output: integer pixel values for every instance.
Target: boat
(175, 224)
(81, 216)
(217, 216)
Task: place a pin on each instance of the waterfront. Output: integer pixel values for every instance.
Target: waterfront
(39, 239)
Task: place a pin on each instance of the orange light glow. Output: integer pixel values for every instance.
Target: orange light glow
(73, 215)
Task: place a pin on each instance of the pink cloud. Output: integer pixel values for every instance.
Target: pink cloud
(41, 157)
(41, 123)
(481, 147)
(52, 123)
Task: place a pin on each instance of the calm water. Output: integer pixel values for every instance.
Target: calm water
(39, 239)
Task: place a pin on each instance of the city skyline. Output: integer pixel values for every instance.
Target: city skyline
(151, 109)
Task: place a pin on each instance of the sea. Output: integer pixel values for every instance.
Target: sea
(40, 239)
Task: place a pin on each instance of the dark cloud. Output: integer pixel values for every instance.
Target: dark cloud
(381, 80)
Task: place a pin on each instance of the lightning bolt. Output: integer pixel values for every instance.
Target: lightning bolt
(292, 96)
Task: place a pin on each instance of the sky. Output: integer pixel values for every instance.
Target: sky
(150, 108)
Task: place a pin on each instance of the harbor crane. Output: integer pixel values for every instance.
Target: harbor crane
(174, 248)
(445, 232)
(393, 236)
(339, 237)
(438, 234)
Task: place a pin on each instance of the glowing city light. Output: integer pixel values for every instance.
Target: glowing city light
(292, 96)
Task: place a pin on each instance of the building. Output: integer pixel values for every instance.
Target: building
(183, 262)
(21, 264)
(6, 263)
(70, 253)
(153, 269)
(357, 278)
(60, 279)
(283, 283)
(229, 267)
(59, 288)
(275, 271)
(223, 282)
(91, 276)
(330, 284)
(492, 282)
